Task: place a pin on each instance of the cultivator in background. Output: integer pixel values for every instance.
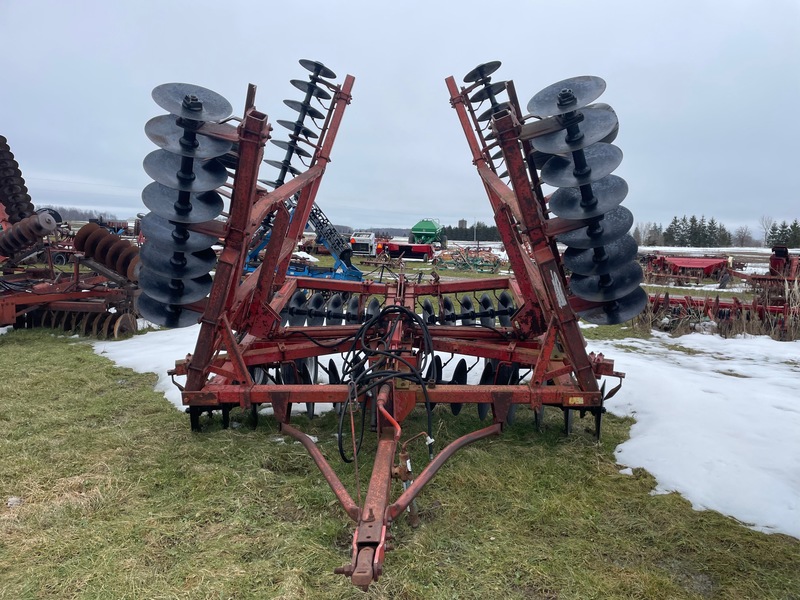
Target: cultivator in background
(90, 298)
(385, 346)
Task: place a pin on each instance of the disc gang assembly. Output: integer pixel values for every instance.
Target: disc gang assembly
(264, 337)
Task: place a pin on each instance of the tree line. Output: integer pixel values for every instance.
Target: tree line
(701, 233)
(70, 213)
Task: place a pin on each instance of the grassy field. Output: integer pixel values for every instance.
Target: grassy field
(120, 500)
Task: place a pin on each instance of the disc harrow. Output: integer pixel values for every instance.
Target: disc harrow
(15, 202)
(502, 344)
(26, 233)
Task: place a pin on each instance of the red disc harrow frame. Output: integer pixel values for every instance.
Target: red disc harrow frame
(243, 326)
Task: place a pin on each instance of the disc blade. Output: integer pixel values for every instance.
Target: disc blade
(297, 128)
(428, 314)
(482, 71)
(307, 87)
(165, 133)
(281, 164)
(615, 223)
(164, 166)
(604, 288)
(334, 308)
(284, 145)
(619, 311)
(467, 308)
(486, 306)
(373, 309)
(599, 261)
(585, 89)
(597, 124)
(601, 158)
(213, 107)
(505, 306)
(205, 206)
(304, 109)
(487, 92)
(353, 314)
(174, 291)
(316, 304)
(159, 231)
(165, 314)
(297, 309)
(606, 194)
(317, 68)
(183, 266)
(448, 311)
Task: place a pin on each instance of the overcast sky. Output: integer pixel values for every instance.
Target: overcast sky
(705, 92)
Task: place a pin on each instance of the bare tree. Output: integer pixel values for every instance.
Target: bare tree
(766, 224)
(742, 237)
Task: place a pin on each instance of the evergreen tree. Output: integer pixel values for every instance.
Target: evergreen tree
(772, 235)
(794, 234)
(693, 237)
(712, 233)
(784, 233)
(724, 237)
(672, 232)
(683, 232)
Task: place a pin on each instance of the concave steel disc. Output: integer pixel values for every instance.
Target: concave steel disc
(468, 307)
(187, 265)
(297, 305)
(165, 315)
(353, 313)
(280, 164)
(487, 306)
(617, 253)
(334, 308)
(163, 166)
(505, 303)
(206, 206)
(170, 96)
(307, 86)
(448, 311)
(597, 124)
(481, 71)
(488, 92)
(609, 192)
(428, 314)
(174, 291)
(603, 106)
(602, 158)
(585, 88)
(615, 224)
(619, 311)
(297, 128)
(622, 282)
(304, 109)
(159, 232)
(83, 234)
(284, 145)
(317, 68)
(316, 303)
(166, 134)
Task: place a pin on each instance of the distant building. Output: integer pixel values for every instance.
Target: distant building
(462, 223)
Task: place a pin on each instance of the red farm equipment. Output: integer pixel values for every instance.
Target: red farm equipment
(91, 296)
(261, 335)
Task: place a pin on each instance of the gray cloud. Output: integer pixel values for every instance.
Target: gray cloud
(703, 91)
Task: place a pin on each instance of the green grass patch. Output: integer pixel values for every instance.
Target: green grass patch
(121, 500)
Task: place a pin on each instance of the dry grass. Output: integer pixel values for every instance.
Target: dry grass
(121, 500)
